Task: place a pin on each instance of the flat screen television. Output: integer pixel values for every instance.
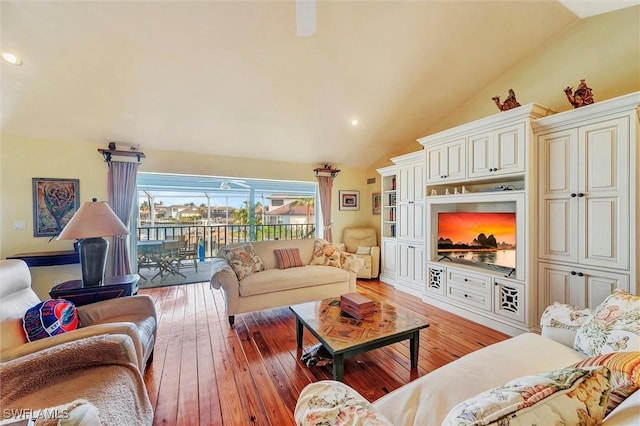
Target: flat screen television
(480, 238)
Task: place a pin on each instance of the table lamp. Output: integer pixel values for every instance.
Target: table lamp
(93, 221)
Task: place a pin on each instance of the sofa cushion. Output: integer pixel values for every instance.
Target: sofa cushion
(274, 280)
(625, 374)
(325, 253)
(614, 326)
(288, 258)
(48, 318)
(243, 259)
(363, 250)
(567, 396)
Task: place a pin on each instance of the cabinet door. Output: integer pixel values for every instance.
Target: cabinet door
(389, 257)
(405, 261)
(497, 152)
(405, 220)
(435, 164)
(508, 150)
(418, 183)
(558, 179)
(480, 161)
(446, 162)
(455, 160)
(418, 221)
(411, 263)
(576, 285)
(604, 181)
(418, 266)
(405, 184)
(509, 299)
(435, 279)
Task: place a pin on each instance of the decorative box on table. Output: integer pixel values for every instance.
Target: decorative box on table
(357, 305)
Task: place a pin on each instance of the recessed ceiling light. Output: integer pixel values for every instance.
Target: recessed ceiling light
(354, 122)
(11, 58)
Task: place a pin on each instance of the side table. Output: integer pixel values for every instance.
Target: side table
(73, 291)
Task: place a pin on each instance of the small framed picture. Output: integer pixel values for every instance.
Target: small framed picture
(349, 200)
(55, 201)
(376, 203)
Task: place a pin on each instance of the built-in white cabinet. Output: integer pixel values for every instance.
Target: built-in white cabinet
(411, 187)
(493, 160)
(481, 294)
(403, 251)
(447, 162)
(587, 189)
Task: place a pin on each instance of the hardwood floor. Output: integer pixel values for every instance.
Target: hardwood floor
(206, 373)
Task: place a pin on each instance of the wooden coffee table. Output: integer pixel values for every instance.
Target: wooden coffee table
(344, 336)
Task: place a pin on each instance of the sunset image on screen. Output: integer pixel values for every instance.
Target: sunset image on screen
(460, 227)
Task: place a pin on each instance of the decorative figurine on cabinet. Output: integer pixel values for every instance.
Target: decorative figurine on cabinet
(508, 103)
(581, 97)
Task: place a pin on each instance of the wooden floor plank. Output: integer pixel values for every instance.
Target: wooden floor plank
(206, 373)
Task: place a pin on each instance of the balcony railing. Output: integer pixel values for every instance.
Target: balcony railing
(209, 238)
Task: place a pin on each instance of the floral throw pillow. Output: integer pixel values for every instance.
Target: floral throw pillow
(326, 253)
(243, 259)
(614, 326)
(561, 315)
(333, 403)
(625, 374)
(570, 396)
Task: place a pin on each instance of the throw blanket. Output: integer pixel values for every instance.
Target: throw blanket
(91, 370)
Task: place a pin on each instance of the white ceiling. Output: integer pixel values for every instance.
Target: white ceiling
(232, 78)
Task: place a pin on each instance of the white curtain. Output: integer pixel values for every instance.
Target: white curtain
(325, 185)
(122, 190)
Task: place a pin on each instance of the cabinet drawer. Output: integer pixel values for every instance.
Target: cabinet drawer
(468, 280)
(462, 294)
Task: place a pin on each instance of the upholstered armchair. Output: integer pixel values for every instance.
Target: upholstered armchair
(134, 316)
(363, 243)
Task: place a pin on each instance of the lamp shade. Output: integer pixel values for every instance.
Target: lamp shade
(93, 219)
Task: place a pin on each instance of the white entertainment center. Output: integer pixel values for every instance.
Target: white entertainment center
(571, 180)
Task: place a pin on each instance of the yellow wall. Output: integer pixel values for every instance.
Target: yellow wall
(22, 159)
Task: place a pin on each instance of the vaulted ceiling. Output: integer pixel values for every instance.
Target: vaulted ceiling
(233, 78)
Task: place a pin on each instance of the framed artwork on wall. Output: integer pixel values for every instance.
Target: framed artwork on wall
(349, 200)
(376, 203)
(55, 201)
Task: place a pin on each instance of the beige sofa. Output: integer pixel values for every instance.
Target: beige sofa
(276, 287)
(134, 316)
(429, 399)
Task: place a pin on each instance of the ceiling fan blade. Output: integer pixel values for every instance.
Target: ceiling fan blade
(305, 17)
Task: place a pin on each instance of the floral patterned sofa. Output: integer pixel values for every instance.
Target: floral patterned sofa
(583, 369)
(269, 274)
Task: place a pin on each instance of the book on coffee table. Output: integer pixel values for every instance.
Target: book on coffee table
(356, 305)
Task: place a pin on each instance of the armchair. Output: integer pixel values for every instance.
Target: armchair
(363, 243)
(134, 316)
